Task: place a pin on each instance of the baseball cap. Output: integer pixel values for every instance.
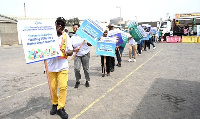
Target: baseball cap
(61, 19)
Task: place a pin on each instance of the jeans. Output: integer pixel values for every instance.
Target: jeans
(139, 48)
(151, 42)
(119, 54)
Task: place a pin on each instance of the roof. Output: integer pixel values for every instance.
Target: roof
(7, 19)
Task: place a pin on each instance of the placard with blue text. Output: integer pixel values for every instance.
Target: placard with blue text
(90, 31)
(39, 38)
(106, 46)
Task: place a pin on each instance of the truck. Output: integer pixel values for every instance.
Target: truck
(177, 24)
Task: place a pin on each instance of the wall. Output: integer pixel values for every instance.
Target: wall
(8, 33)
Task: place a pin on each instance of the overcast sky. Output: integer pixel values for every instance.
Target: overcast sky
(103, 10)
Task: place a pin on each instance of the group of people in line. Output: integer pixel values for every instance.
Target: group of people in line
(78, 48)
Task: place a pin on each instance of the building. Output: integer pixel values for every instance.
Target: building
(8, 30)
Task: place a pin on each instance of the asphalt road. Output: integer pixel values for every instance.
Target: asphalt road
(164, 83)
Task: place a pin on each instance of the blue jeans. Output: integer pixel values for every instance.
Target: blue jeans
(121, 49)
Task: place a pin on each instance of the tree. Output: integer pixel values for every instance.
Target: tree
(72, 21)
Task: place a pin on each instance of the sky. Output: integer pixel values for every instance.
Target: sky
(101, 10)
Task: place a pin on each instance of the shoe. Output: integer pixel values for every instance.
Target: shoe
(103, 75)
(87, 84)
(130, 60)
(62, 113)
(112, 70)
(139, 54)
(119, 65)
(134, 60)
(154, 48)
(53, 110)
(141, 51)
(108, 74)
(77, 84)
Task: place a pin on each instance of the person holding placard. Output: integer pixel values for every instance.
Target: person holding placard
(82, 57)
(58, 71)
(112, 59)
(105, 60)
(132, 49)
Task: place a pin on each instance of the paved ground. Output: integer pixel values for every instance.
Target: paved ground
(164, 83)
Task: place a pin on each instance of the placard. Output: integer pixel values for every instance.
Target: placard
(39, 38)
(106, 46)
(90, 31)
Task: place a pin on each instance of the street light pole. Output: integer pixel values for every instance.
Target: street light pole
(120, 15)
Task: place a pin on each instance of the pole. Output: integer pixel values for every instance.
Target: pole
(24, 10)
(120, 17)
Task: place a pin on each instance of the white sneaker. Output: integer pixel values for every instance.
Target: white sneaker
(141, 51)
(134, 60)
(130, 60)
(154, 48)
(139, 54)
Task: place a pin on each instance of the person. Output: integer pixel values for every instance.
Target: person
(139, 47)
(112, 59)
(132, 49)
(82, 57)
(58, 72)
(146, 42)
(107, 60)
(160, 34)
(150, 41)
(185, 31)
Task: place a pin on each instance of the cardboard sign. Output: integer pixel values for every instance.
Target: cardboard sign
(90, 31)
(106, 46)
(39, 38)
(136, 34)
(116, 33)
(141, 29)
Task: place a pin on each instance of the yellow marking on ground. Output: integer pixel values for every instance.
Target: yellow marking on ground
(23, 91)
(88, 107)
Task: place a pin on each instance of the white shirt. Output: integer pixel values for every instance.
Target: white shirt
(132, 42)
(58, 64)
(76, 42)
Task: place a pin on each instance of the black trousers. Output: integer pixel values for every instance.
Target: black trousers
(112, 62)
(107, 64)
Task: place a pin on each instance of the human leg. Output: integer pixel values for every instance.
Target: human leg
(62, 85)
(53, 79)
(85, 63)
(77, 66)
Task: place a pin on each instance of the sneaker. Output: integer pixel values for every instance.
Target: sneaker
(134, 60)
(103, 75)
(108, 74)
(141, 50)
(87, 84)
(77, 84)
(62, 113)
(139, 54)
(53, 110)
(130, 60)
(154, 48)
(119, 65)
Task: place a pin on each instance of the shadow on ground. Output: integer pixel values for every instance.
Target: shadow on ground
(170, 99)
(34, 106)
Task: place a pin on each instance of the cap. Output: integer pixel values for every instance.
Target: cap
(61, 19)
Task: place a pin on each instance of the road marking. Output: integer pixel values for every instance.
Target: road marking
(23, 91)
(108, 91)
(30, 88)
